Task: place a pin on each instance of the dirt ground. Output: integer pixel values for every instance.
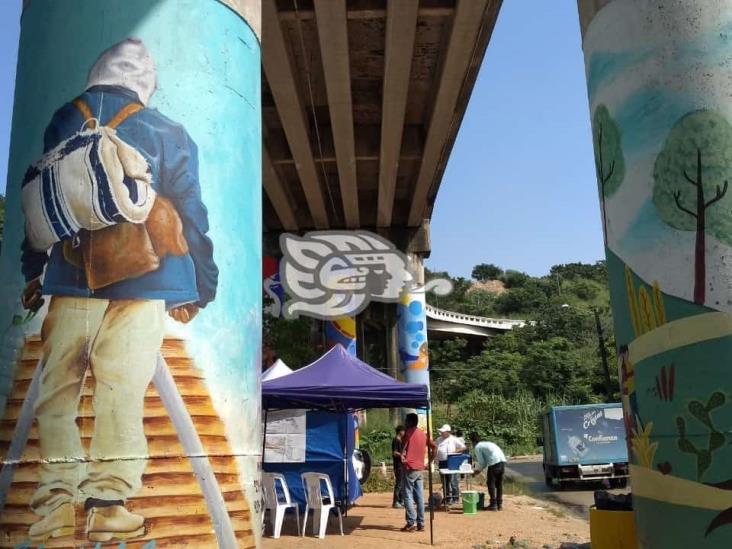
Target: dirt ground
(374, 524)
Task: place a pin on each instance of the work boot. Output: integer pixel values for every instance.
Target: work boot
(58, 523)
(113, 522)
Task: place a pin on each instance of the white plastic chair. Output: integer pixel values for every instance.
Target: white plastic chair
(311, 483)
(274, 506)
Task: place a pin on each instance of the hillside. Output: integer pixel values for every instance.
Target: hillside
(501, 390)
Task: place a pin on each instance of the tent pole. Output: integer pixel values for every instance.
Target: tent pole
(264, 436)
(429, 473)
(345, 462)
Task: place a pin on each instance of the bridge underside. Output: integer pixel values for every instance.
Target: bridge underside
(361, 104)
(439, 330)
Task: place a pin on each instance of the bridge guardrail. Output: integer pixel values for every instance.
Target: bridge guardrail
(495, 323)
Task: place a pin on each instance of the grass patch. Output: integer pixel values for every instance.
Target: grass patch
(515, 488)
(556, 512)
(377, 483)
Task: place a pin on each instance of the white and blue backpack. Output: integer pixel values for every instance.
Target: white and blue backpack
(92, 180)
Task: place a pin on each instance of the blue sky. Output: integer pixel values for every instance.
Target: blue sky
(9, 30)
(519, 189)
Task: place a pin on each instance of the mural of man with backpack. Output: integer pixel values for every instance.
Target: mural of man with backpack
(117, 195)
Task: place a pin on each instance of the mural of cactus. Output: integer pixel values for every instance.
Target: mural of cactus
(702, 413)
(647, 311)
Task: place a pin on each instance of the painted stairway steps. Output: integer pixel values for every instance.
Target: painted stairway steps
(171, 500)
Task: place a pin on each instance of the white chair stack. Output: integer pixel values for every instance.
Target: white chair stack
(272, 502)
(321, 506)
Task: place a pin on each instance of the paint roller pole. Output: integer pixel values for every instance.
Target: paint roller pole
(346, 419)
(264, 435)
(429, 474)
(658, 81)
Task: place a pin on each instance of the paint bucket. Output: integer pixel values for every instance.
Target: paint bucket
(470, 502)
(612, 529)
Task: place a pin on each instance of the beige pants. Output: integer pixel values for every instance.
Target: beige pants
(120, 341)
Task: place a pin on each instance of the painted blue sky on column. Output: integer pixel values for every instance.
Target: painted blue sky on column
(646, 110)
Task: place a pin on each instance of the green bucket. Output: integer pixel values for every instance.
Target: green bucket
(470, 502)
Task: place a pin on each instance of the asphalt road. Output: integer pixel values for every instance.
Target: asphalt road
(578, 497)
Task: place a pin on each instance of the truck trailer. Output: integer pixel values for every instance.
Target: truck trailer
(585, 443)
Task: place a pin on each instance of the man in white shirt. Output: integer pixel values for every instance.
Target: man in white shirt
(489, 456)
(448, 445)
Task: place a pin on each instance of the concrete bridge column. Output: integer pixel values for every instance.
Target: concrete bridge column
(149, 358)
(412, 332)
(343, 331)
(658, 77)
(393, 362)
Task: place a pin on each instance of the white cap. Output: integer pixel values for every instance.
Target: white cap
(128, 65)
(445, 429)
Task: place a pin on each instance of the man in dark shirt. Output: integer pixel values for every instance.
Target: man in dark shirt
(397, 447)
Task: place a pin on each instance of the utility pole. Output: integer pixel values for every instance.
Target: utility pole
(603, 356)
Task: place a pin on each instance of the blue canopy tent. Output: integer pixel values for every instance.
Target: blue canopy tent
(324, 434)
(340, 382)
(323, 445)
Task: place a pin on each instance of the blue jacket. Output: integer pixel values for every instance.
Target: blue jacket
(173, 159)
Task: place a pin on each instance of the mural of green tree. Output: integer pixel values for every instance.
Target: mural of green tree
(691, 177)
(609, 161)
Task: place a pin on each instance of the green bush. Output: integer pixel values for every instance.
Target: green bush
(376, 437)
(377, 483)
(513, 423)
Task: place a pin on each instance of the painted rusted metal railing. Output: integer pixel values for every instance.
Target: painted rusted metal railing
(187, 435)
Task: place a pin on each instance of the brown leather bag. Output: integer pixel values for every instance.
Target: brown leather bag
(116, 253)
(165, 229)
(127, 250)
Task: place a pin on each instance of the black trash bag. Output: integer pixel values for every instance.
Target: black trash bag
(435, 501)
(605, 501)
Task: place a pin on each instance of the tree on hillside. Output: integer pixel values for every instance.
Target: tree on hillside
(486, 271)
(691, 177)
(514, 279)
(455, 301)
(609, 161)
(555, 366)
(479, 303)
(570, 271)
(521, 300)
(290, 340)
